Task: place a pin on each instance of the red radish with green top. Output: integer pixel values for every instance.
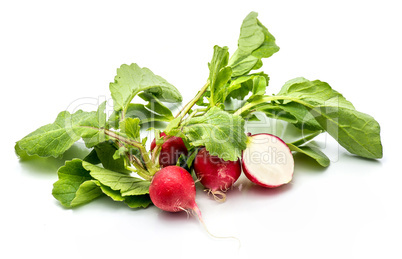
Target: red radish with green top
(267, 161)
(171, 150)
(216, 174)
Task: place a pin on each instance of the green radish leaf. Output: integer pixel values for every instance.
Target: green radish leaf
(155, 105)
(314, 92)
(133, 201)
(132, 79)
(306, 139)
(92, 157)
(119, 153)
(171, 128)
(219, 75)
(191, 156)
(126, 184)
(115, 195)
(131, 127)
(255, 42)
(220, 132)
(22, 154)
(314, 105)
(357, 132)
(55, 138)
(74, 186)
(312, 152)
(138, 111)
(241, 86)
(87, 192)
(138, 201)
(292, 112)
(301, 90)
(105, 152)
(145, 115)
(203, 101)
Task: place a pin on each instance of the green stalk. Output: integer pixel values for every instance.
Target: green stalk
(148, 162)
(270, 99)
(141, 172)
(190, 104)
(193, 114)
(145, 156)
(157, 149)
(123, 139)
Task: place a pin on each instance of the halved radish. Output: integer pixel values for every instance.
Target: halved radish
(267, 161)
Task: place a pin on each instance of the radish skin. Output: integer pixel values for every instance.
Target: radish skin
(215, 174)
(171, 150)
(173, 189)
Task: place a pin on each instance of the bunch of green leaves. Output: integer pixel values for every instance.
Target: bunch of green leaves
(119, 164)
(117, 148)
(315, 106)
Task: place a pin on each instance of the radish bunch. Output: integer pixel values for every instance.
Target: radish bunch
(207, 136)
(267, 161)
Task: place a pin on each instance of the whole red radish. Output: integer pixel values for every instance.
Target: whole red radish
(267, 161)
(173, 189)
(170, 150)
(216, 174)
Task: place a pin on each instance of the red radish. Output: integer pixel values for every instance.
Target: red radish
(267, 161)
(216, 174)
(171, 150)
(173, 189)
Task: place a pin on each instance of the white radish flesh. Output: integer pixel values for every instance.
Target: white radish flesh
(267, 161)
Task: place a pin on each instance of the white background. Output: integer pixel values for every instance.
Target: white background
(55, 54)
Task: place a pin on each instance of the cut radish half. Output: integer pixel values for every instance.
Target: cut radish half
(267, 161)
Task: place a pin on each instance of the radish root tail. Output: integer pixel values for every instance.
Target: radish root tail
(197, 213)
(219, 196)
